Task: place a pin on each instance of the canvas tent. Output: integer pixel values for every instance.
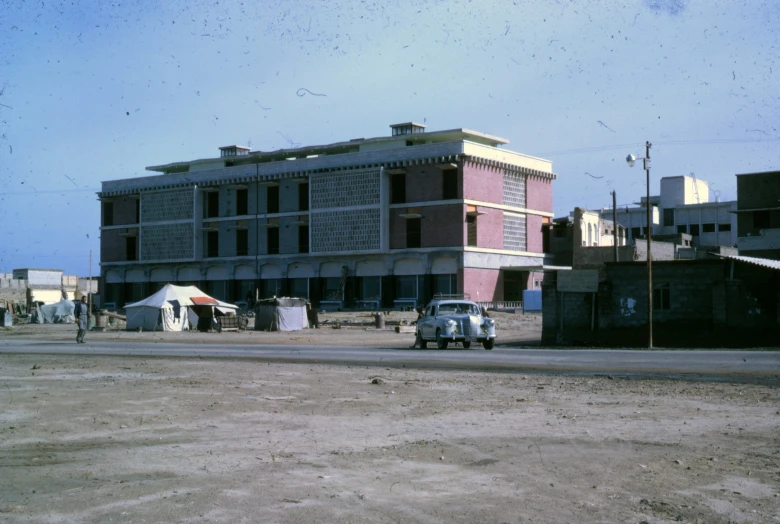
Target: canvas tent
(6, 317)
(281, 314)
(174, 308)
(62, 312)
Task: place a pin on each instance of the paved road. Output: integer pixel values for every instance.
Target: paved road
(731, 365)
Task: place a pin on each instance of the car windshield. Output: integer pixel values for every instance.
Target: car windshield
(458, 309)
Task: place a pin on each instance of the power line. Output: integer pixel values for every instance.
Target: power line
(595, 149)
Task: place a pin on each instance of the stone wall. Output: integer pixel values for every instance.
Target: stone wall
(13, 290)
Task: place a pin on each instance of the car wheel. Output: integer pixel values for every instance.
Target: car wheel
(466, 344)
(488, 343)
(440, 342)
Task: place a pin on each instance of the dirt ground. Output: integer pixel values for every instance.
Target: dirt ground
(117, 439)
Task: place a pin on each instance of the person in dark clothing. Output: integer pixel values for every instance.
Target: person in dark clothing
(82, 318)
(417, 339)
(313, 316)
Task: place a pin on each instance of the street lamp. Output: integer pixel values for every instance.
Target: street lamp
(630, 160)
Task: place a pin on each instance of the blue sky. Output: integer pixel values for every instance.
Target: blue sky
(98, 90)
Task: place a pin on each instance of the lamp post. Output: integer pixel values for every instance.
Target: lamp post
(630, 159)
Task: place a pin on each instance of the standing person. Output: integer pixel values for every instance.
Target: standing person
(417, 338)
(82, 318)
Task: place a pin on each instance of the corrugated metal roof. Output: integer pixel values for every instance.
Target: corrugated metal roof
(763, 262)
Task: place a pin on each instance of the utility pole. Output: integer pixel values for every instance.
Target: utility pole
(614, 224)
(631, 159)
(89, 288)
(649, 254)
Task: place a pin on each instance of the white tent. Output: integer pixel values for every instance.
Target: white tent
(281, 314)
(174, 308)
(61, 312)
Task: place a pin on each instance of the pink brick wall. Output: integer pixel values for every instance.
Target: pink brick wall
(124, 210)
(483, 183)
(539, 195)
(483, 284)
(534, 235)
(424, 183)
(112, 246)
(490, 228)
(441, 226)
(397, 230)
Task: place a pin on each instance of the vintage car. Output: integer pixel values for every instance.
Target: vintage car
(446, 321)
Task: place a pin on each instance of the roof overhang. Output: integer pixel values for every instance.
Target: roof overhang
(543, 267)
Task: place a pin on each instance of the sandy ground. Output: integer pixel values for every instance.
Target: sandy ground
(102, 439)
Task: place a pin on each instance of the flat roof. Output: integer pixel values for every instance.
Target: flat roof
(348, 146)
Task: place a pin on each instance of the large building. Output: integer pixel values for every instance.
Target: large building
(758, 214)
(683, 207)
(380, 222)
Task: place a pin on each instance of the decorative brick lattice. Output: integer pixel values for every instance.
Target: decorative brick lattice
(351, 188)
(167, 242)
(353, 230)
(167, 205)
(515, 232)
(514, 189)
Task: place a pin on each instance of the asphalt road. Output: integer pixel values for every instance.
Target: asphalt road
(703, 364)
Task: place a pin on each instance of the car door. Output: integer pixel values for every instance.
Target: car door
(427, 323)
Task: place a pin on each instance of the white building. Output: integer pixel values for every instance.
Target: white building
(684, 206)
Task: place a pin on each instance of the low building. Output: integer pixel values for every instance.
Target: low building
(566, 237)
(31, 285)
(730, 301)
(758, 214)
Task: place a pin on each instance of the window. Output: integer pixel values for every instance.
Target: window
(413, 232)
(406, 286)
(370, 288)
(242, 202)
(303, 197)
(669, 217)
(471, 230)
(445, 284)
(449, 180)
(212, 243)
(299, 287)
(760, 219)
(108, 213)
(131, 248)
(332, 289)
(636, 232)
(272, 241)
(212, 204)
(242, 242)
(271, 287)
(398, 188)
(272, 201)
(724, 227)
(661, 300)
(694, 230)
(708, 228)
(682, 228)
(138, 210)
(303, 239)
